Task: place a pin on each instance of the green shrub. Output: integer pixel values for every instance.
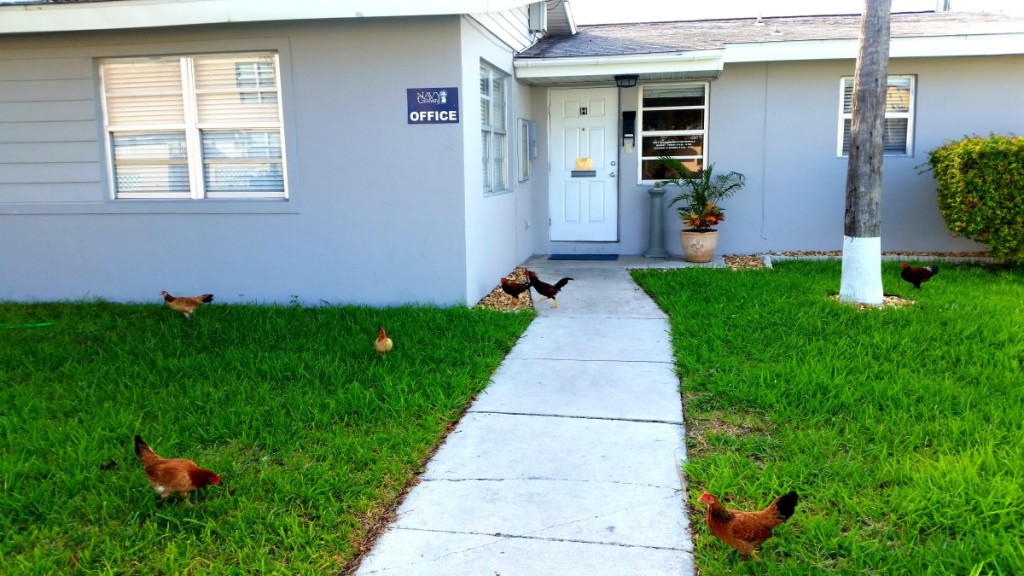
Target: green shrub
(981, 191)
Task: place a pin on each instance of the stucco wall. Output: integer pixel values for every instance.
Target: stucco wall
(377, 208)
(778, 124)
(496, 234)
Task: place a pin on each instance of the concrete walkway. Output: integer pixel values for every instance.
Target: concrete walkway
(567, 463)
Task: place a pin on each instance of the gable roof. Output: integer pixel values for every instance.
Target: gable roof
(699, 48)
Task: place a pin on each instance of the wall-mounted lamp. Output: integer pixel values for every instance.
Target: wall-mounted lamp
(626, 80)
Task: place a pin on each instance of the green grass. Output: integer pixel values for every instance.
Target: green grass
(901, 428)
(290, 405)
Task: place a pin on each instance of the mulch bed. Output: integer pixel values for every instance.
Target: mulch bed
(498, 300)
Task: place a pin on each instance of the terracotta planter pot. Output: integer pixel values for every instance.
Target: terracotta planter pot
(698, 247)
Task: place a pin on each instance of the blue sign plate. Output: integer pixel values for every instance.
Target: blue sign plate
(433, 105)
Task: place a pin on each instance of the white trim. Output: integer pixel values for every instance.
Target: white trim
(698, 61)
(126, 14)
(861, 278)
(931, 47)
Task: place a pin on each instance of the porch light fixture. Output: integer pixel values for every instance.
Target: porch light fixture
(626, 80)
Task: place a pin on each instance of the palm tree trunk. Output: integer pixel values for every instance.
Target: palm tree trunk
(862, 233)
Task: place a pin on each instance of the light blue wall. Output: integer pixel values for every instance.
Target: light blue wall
(377, 211)
(496, 237)
(777, 123)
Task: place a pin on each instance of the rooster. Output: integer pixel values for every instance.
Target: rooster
(382, 344)
(173, 475)
(917, 275)
(186, 304)
(745, 531)
(514, 289)
(547, 290)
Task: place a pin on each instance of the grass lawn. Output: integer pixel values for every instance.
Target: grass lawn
(290, 405)
(902, 428)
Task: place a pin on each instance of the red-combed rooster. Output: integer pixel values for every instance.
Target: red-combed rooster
(514, 289)
(547, 290)
(917, 275)
(745, 531)
(186, 304)
(173, 475)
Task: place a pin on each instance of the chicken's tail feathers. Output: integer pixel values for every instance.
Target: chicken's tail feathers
(934, 269)
(143, 451)
(785, 505)
(206, 298)
(562, 283)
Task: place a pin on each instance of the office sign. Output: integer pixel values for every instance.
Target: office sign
(433, 105)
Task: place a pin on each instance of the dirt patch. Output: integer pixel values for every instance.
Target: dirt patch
(743, 262)
(888, 301)
(499, 300)
(701, 427)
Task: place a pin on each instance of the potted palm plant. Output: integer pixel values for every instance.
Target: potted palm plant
(699, 209)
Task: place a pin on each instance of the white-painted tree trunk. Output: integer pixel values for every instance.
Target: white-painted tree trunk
(861, 281)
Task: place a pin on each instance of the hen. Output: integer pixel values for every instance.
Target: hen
(547, 290)
(172, 475)
(383, 344)
(186, 304)
(745, 531)
(917, 275)
(514, 289)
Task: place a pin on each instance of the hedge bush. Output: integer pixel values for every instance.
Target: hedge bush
(981, 191)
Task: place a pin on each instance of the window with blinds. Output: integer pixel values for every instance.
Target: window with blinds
(673, 122)
(494, 132)
(897, 136)
(195, 127)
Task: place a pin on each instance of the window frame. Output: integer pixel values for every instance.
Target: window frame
(193, 128)
(909, 115)
(493, 166)
(642, 134)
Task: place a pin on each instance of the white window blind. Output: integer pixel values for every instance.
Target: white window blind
(897, 136)
(195, 127)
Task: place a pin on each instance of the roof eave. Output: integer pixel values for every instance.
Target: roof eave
(127, 14)
(918, 47)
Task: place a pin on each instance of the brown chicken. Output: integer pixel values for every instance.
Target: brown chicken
(917, 275)
(383, 344)
(186, 304)
(514, 289)
(547, 290)
(745, 531)
(172, 475)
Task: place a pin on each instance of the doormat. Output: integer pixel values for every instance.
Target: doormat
(606, 257)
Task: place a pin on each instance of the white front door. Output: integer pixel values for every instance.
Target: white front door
(584, 203)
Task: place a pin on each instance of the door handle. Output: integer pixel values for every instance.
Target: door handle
(611, 174)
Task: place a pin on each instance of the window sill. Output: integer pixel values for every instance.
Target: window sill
(154, 207)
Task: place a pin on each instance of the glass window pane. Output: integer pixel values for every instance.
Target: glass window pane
(219, 144)
(895, 135)
(242, 161)
(152, 165)
(143, 92)
(655, 96)
(485, 81)
(691, 145)
(691, 119)
(898, 96)
(160, 146)
(651, 170)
